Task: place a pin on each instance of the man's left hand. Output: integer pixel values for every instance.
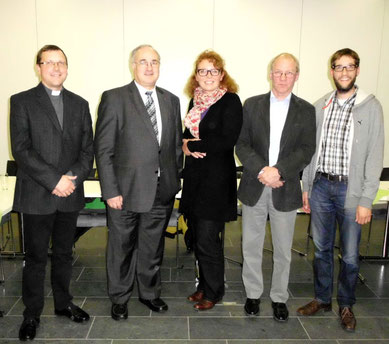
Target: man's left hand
(269, 176)
(363, 215)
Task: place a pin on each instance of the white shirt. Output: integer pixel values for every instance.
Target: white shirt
(142, 92)
(278, 112)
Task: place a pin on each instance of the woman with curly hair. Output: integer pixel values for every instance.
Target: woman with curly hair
(209, 197)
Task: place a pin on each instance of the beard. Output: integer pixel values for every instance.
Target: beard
(345, 89)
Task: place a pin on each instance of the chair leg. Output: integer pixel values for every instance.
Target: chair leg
(222, 236)
(368, 235)
(177, 245)
(10, 227)
(2, 269)
(308, 233)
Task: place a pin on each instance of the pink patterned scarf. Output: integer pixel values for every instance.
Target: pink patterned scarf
(201, 102)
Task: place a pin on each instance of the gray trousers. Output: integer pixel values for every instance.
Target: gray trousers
(254, 229)
(135, 251)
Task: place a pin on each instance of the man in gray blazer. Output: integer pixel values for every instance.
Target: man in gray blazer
(139, 159)
(52, 143)
(276, 142)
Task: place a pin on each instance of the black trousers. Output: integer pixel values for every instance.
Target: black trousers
(208, 250)
(135, 251)
(37, 232)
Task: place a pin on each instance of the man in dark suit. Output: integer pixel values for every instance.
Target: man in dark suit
(52, 143)
(139, 159)
(276, 142)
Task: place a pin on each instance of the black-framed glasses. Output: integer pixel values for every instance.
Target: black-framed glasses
(340, 68)
(53, 63)
(204, 72)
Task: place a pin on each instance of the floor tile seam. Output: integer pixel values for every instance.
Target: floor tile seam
(290, 293)
(188, 326)
(90, 327)
(75, 260)
(83, 302)
(79, 275)
(13, 306)
(305, 330)
(372, 291)
(9, 277)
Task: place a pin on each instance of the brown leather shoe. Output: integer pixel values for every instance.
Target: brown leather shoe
(313, 307)
(196, 297)
(347, 319)
(204, 305)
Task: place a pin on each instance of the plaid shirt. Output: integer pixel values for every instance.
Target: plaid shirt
(335, 155)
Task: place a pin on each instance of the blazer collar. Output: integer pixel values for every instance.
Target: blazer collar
(48, 107)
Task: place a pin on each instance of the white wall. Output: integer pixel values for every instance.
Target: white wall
(98, 35)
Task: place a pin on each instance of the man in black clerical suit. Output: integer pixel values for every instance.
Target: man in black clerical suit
(52, 143)
(139, 158)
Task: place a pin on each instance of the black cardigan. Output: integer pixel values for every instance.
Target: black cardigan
(209, 190)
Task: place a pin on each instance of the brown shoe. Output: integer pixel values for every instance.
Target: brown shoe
(204, 305)
(196, 297)
(313, 307)
(347, 319)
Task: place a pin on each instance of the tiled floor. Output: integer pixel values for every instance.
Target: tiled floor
(226, 323)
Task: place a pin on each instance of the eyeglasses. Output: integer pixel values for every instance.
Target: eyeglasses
(204, 72)
(152, 63)
(60, 64)
(340, 68)
(288, 75)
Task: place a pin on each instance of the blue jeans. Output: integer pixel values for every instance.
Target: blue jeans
(327, 209)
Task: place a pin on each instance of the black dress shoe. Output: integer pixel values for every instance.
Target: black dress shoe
(119, 311)
(251, 306)
(156, 305)
(28, 329)
(280, 311)
(74, 313)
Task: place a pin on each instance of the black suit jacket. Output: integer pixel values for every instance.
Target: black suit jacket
(296, 150)
(127, 151)
(44, 152)
(209, 190)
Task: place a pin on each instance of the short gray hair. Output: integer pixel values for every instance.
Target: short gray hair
(133, 53)
(287, 55)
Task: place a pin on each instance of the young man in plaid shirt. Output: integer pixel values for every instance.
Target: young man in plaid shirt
(341, 182)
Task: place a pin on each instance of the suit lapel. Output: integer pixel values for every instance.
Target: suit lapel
(289, 122)
(47, 106)
(141, 108)
(264, 115)
(164, 108)
(67, 110)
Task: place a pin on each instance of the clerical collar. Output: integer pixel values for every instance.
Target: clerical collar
(51, 92)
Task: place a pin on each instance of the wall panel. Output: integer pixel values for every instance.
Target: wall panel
(383, 78)
(178, 29)
(98, 36)
(249, 33)
(331, 25)
(91, 34)
(17, 52)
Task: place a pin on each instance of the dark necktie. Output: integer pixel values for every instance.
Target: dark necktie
(150, 107)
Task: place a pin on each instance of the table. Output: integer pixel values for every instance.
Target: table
(384, 185)
(7, 197)
(92, 190)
